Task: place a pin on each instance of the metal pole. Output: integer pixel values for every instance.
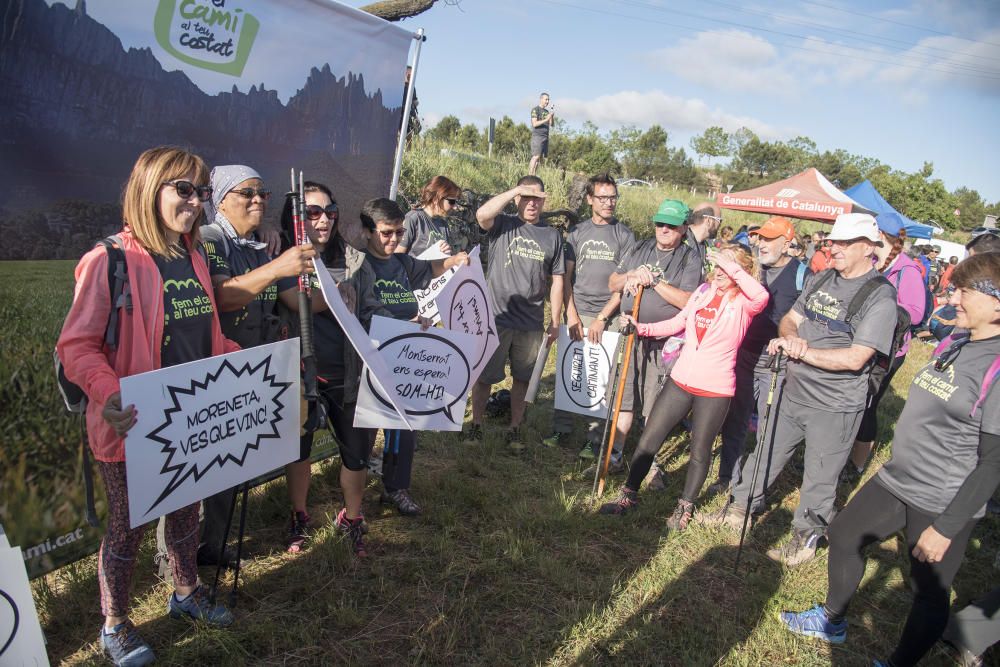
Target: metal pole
(397, 166)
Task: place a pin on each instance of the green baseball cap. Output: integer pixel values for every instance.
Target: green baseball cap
(672, 212)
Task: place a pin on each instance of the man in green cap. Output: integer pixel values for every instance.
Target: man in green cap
(668, 270)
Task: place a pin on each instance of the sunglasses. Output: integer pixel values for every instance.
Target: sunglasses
(398, 233)
(451, 200)
(248, 193)
(314, 212)
(661, 225)
(829, 244)
(794, 246)
(186, 188)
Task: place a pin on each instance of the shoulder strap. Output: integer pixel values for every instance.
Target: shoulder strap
(121, 295)
(821, 279)
(863, 294)
(991, 375)
(800, 277)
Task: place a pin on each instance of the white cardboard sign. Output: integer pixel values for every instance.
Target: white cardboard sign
(427, 305)
(431, 373)
(209, 425)
(21, 640)
(583, 371)
(464, 304)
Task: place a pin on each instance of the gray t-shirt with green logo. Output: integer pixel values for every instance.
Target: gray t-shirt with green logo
(596, 250)
(936, 444)
(422, 231)
(839, 391)
(680, 266)
(522, 258)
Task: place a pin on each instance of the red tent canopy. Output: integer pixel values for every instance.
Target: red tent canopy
(808, 195)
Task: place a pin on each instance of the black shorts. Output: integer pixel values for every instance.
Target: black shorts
(539, 145)
(355, 444)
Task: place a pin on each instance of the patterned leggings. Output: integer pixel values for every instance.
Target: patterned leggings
(120, 545)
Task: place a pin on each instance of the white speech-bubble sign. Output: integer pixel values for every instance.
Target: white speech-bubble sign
(465, 306)
(583, 371)
(430, 377)
(21, 640)
(209, 425)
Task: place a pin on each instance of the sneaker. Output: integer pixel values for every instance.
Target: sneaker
(681, 517)
(851, 474)
(815, 623)
(729, 516)
(297, 532)
(473, 435)
(514, 440)
(125, 647)
(798, 550)
(587, 453)
(404, 502)
(626, 500)
(655, 479)
(355, 530)
(719, 487)
(198, 607)
(554, 440)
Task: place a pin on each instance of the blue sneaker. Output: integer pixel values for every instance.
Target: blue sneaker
(814, 623)
(199, 608)
(125, 647)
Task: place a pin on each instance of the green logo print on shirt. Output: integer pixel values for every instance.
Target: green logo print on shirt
(391, 293)
(597, 251)
(526, 248)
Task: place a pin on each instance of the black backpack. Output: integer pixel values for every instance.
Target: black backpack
(879, 367)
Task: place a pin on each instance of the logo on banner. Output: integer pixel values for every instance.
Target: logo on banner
(787, 192)
(215, 35)
(192, 429)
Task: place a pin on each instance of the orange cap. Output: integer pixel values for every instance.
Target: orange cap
(776, 226)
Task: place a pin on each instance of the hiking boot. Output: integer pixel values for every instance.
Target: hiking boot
(587, 453)
(473, 435)
(198, 607)
(798, 550)
(720, 486)
(626, 500)
(297, 532)
(355, 530)
(681, 517)
(404, 502)
(851, 474)
(555, 440)
(729, 516)
(514, 440)
(815, 623)
(655, 479)
(125, 647)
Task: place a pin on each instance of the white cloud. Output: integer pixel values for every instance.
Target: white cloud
(642, 109)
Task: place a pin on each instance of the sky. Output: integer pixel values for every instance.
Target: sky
(904, 81)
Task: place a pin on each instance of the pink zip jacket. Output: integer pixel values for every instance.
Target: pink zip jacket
(95, 367)
(710, 365)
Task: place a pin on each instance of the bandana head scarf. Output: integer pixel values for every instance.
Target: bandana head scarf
(224, 179)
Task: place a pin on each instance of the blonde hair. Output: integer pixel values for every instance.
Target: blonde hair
(744, 258)
(140, 199)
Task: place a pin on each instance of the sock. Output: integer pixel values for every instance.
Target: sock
(113, 630)
(181, 598)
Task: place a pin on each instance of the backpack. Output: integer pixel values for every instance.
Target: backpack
(992, 373)
(879, 368)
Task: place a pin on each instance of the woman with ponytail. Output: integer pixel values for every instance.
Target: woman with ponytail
(905, 276)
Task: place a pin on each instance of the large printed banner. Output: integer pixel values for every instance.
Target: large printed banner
(209, 425)
(87, 86)
(429, 376)
(583, 371)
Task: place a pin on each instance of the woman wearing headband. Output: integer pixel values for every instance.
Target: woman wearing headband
(945, 466)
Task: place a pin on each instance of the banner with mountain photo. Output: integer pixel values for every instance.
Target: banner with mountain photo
(87, 86)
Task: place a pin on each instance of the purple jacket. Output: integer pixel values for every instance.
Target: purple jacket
(905, 276)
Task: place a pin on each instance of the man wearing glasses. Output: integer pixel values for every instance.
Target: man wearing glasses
(826, 385)
(668, 270)
(525, 254)
(593, 250)
(702, 228)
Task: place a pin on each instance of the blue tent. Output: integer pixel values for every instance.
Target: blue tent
(865, 194)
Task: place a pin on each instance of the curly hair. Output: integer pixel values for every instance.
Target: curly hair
(744, 258)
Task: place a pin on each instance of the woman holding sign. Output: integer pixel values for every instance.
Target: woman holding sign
(703, 380)
(160, 247)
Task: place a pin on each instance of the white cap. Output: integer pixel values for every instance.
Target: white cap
(850, 226)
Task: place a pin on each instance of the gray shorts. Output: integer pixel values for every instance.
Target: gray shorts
(520, 348)
(646, 375)
(539, 145)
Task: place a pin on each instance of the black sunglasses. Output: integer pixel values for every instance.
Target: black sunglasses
(794, 246)
(248, 193)
(186, 188)
(314, 212)
(451, 200)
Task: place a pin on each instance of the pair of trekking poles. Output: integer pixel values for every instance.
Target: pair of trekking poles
(623, 356)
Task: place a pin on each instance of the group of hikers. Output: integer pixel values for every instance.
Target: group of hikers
(720, 318)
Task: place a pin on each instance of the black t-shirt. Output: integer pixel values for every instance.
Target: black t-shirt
(395, 279)
(187, 313)
(542, 131)
(328, 337)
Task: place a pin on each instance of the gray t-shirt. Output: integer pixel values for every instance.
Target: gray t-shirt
(936, 444)
(542, 131)
(596, 250)
(422, 231)
(839, 391)
(680, 266)
(522, 258)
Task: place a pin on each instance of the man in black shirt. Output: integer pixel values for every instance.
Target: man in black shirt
(542, 119)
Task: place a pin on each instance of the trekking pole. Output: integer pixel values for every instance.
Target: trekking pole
(602, 467)
(619, 351)
(222, 549)
(309, 369)
(775, 371)
(239, 544)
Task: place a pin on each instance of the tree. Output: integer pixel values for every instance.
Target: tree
(972, 207)
(446, 129)
(397, 10)
(713, 142)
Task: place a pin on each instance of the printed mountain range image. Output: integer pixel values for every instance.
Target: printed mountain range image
(78, 108)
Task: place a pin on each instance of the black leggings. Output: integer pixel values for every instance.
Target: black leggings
(873, 515)
(671, 406)
(869, 421)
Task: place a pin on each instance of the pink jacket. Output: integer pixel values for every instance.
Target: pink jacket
(95, 367)
(709, 365)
